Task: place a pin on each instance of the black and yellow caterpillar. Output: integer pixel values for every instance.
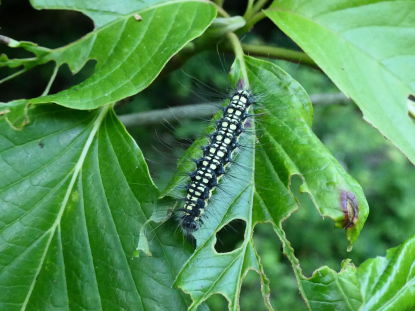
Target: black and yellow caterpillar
(217, 156)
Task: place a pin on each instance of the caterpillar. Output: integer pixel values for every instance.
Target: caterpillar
(217, 156)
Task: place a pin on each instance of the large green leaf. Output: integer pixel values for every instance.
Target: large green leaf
(367, 48)
(383, 283)
(101, 12)
(74, 193)
(130, 52)
(257, 187)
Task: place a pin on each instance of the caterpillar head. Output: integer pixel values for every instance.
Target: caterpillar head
(189, 224)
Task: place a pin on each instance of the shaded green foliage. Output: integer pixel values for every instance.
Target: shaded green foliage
(82, 224)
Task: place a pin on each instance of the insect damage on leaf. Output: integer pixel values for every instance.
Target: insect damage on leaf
(411, 105)
(350, 208)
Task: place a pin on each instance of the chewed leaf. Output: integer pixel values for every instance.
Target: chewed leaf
(129, 52)
(382, 283)
(74, 194)
(100, 11)
(288, 147)
(257, 185)
(15, 113)
(38, 51)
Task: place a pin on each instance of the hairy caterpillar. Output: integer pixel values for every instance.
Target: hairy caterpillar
(217, 155)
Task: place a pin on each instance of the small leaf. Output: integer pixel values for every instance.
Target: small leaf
(383, 283)
(366, 48)
(74, 194)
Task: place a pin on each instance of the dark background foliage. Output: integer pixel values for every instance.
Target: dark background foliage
(385, 174)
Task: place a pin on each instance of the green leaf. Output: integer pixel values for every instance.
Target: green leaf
(129, 52)
(383, 283)
(38, 52)
(101, 12)
(257, 188)
(288, 148)
(74, 194)
(366, 48)
(15, 113)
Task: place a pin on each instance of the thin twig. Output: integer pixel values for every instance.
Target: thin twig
(5, 40)
(259, 5)
(206, 110)
(329, 99)
(278, 53)
(52, 78)
(169, 114)
(239, 56)
(13, 75)
(253, 20)
(249, 5)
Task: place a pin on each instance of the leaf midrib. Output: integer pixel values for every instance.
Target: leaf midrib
(77, 169)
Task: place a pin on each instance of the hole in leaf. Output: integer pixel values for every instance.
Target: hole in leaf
(217, 302)
(65, 79)
(50, 28)
(251, 297)
(231, 236)
(411, 105)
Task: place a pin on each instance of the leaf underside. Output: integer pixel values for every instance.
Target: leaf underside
(366, 48)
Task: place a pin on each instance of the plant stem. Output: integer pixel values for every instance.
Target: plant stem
(259, 5)
(248, 10)
(218, 2)
(278, 53)
(13, 75)
(50, 82)
(239, 57)
(253, 20)
(206, 110)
